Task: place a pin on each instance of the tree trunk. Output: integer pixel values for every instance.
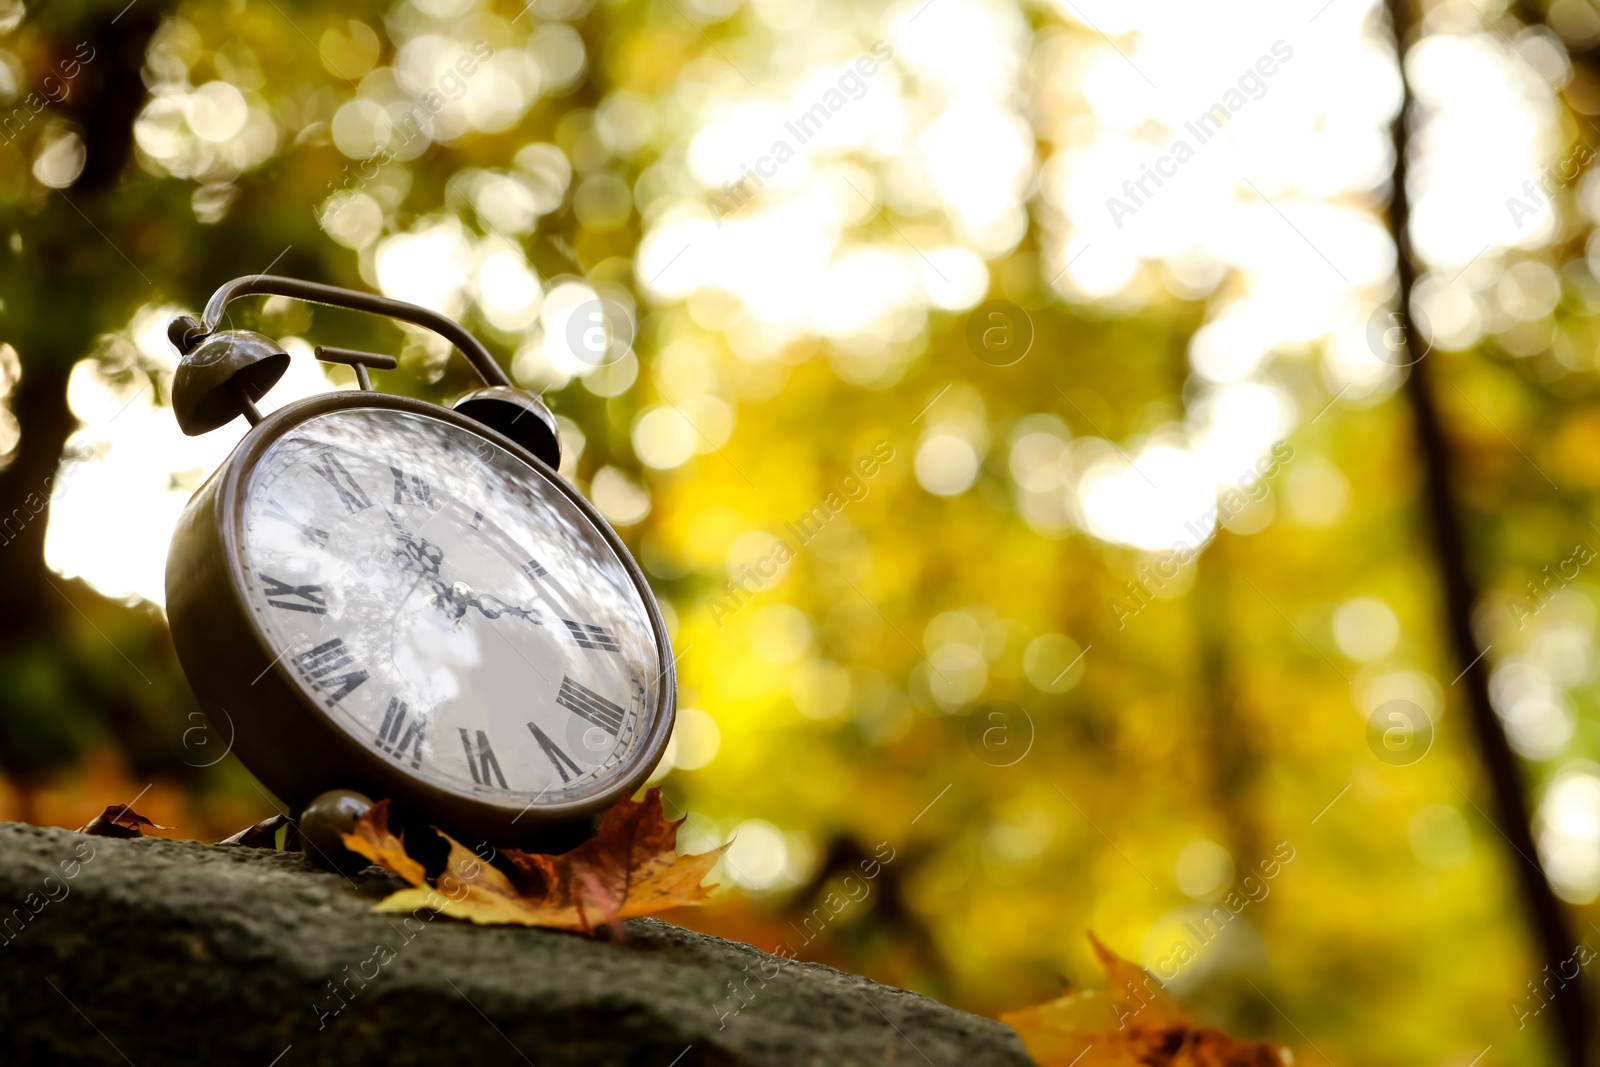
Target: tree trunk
(1553, 939)
(65, 272)
(1231, 757)
(40, 404)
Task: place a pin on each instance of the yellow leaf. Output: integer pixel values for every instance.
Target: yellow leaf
(1136, 996)
(629, 868)
(1133, 1023)
(372, 839)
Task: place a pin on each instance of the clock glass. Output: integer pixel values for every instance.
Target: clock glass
(445, 602)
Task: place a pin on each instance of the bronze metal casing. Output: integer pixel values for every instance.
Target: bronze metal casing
(279, 732)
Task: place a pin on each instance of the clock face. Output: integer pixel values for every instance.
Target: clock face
(440, 600)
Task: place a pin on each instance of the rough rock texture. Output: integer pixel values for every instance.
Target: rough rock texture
(156, 952)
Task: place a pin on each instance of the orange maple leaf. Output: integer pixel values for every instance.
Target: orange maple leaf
(371, 838)
(629, 868)
(1133, 1022)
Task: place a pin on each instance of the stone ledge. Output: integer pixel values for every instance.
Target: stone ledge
(178, 952)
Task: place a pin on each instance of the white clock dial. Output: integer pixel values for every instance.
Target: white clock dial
(447, 605)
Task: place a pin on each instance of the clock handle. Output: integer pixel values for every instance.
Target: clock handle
(186, 333)
(223, 373)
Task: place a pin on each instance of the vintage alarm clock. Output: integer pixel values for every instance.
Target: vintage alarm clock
(385, 595)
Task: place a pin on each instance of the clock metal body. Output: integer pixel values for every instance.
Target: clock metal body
(382, 594)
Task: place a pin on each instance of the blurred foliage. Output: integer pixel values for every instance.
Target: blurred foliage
(1190, 743)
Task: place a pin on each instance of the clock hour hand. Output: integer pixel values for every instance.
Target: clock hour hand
(492, 607)
(456, 597)
(582, 634)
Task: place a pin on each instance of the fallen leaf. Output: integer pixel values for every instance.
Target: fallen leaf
(1133, 1022)
(263, 834)
(1135, 993)
(372, 839)
(119, 820)
(629, 868)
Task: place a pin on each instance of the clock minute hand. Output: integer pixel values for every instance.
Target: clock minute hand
(414, 554)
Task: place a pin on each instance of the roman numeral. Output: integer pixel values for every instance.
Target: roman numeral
(412, 490)
(588, 635)
(351, 495)
(562, 761)
(390, 739)
(277, 511)
(534, 569)
(322, 664)
(310, 596)
(583, 701)
(481, 761)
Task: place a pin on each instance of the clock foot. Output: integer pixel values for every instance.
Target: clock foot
(325, 818)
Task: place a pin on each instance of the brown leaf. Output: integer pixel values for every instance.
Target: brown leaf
(372, 839)
(263, 834)
(1132, 1023)
(629, 868)
(119, 820)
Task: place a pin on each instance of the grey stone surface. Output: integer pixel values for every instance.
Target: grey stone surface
(152, 952)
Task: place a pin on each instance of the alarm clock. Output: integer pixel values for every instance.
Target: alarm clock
(386, 595)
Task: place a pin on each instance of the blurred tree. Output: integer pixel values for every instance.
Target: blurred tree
(1441, 471)
(65, 282)
(1183, 723)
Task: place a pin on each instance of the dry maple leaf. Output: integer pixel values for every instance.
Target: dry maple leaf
(372, 839)
(1131, 1023)
(629, 868)
(119, 820)
(263, 834)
